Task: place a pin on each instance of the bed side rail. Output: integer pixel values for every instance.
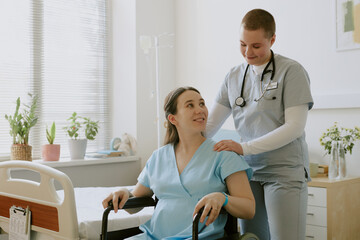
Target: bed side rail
(50, 214)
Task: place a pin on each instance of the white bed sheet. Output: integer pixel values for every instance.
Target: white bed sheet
(90, 210)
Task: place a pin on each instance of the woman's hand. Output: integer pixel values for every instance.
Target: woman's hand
(229, 145)
(212, 204)
(123, 194)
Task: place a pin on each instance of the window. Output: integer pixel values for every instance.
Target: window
(57, 50)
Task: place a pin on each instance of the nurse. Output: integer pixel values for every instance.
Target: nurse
(187, 174)
(269, 98)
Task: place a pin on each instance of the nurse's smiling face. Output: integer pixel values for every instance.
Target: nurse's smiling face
(255, 46)
(191, 112)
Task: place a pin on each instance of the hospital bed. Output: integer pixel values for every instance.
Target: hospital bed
(69, 213)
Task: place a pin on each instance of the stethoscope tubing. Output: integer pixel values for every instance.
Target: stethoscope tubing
(240, 101)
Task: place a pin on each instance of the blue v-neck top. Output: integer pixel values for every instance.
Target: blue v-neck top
(178, 194)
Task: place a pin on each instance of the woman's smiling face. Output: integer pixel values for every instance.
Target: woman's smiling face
(192, 112)
(255, 46)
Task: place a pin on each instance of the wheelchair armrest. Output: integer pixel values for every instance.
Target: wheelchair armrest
(135, 202)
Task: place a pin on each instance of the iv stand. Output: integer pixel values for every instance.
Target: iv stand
(145, 44)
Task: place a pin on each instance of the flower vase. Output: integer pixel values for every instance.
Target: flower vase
(342, 161)
(334, 161)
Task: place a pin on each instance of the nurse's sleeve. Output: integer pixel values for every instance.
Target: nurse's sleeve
(218, 115)
(221, 109)
(295, 121)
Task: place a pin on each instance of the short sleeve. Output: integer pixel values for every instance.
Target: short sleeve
(222, 96)
(144, 177)
(232, 163)
(297, 87)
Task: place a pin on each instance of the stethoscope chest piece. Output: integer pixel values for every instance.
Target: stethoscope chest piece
(240, 101)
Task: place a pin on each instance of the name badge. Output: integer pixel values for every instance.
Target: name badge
(272, 85)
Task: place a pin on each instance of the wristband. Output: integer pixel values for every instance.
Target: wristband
(226, 199)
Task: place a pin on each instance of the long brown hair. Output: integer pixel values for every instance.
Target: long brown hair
(170, 107)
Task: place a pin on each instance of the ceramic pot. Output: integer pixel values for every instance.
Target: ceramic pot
(21, 152)
(51, 152)
(77, 148)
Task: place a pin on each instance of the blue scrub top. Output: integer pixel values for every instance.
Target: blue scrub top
(258, 118)
(179, 194)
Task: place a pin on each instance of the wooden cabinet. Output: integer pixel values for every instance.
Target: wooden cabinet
(333, 209)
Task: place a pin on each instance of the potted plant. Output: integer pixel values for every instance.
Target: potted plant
(347, 136)
(20, 125)
(338, 141)
(51, 151)
(77, 145)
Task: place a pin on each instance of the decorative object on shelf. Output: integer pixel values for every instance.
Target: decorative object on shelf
(313, 169)
(20, 125)
(323, 171)
(338, 141)
(111, 152)
(51, 151)
(77, 146)
(126, 146)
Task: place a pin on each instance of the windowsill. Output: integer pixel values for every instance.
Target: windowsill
(67, 162)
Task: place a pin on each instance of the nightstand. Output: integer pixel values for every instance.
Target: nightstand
(333, 209)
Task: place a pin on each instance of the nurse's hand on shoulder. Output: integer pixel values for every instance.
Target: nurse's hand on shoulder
(212, 204)
(122, 194)
(229, 145)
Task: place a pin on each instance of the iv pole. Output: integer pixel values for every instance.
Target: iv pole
(145, 44)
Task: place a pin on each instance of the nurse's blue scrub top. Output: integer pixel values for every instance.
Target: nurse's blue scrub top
(178, 194)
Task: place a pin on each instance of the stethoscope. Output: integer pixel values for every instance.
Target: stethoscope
(240, 101)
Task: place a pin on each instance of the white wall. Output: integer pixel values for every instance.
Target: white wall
(153, 18)
(123, 51)
(207, 47)
(134, 88)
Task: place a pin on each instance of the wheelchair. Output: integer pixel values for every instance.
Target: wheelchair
(231, 227)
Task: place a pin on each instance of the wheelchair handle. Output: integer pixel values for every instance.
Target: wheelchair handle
(196, 220)
(195, 230)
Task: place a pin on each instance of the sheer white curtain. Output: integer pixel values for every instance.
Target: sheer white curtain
(58, 50)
